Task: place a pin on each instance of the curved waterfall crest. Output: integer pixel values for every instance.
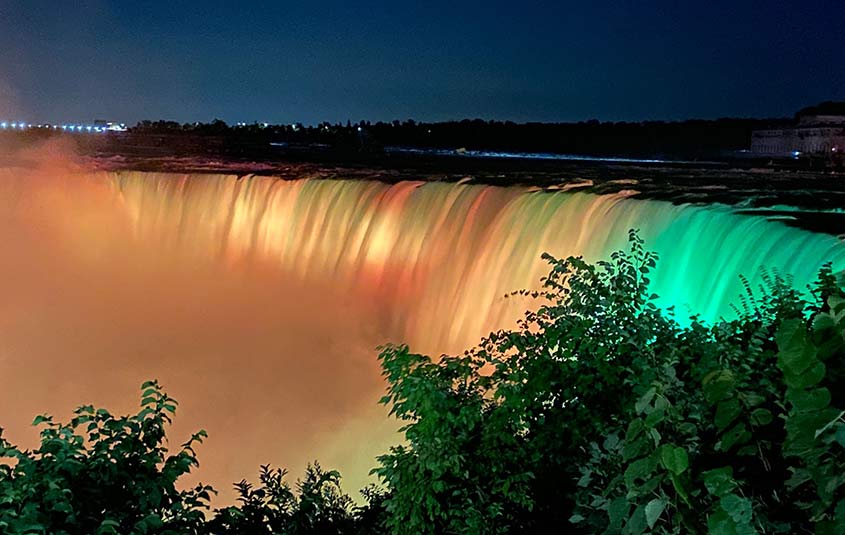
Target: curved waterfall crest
(442, 255)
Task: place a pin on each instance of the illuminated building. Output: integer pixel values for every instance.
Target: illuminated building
(818, 130)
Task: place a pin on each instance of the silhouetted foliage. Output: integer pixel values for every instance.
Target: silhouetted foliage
(602, 413)
(102, 474)
(692, 139)
(317, 506)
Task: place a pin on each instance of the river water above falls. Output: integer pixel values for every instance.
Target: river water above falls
(258, 302)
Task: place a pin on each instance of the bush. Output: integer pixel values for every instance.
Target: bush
(602, 411)
(317, 507)
(104, 474)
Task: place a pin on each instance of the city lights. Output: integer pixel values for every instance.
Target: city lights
(99, 127)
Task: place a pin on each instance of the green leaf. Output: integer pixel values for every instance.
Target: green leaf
(687, 428)
(748, 449)
(839, 434)
(809, 400)
(719, 481)
(839, 511)
(833, 422)
(674, 458)
(726, 412)
(680, 488)
(636, 524)
(654, 417)
(617, 511)
(639, 469)
(634, 429)
(739, 509)
(761, 417)
(611, 441)
(585, 478)
(837, 307)
(809, 377)
(28, 529)
(717, 385)
(108, 527)
(738, 434)
(636, 448)
(720, 523)
(645, 400)
(653, 510)
(796, 353)
(655, 436)
(42, 418)
(753, 400)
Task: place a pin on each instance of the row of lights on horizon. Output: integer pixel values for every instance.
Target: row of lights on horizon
(110, 127)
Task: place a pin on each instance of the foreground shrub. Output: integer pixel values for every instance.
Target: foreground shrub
(105, 474)
(603, 414)
(102, 474)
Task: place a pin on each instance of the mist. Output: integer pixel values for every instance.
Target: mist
(276, 371)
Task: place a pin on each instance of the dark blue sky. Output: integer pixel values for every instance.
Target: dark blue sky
(278, 61)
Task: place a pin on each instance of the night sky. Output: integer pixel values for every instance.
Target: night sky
(277, 61)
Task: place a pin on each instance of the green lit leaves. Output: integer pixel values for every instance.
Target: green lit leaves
(653, 510)
(761, 417)
(640, 470)
(662, 428)
(102, 473)
(674, 458)
(644, 401)
(804, 401)
(732, 517)
(718, 385)
(726, 412)
(719, 481)
(42, 418)
(796, 354)
(738, 434)
(813, 427)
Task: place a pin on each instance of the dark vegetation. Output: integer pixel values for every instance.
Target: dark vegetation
(693, 139)
(598, 414)
(687, 140)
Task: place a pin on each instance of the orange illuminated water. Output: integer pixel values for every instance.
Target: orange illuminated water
(258, 302)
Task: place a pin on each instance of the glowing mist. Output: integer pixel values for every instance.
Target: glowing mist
(258, 302)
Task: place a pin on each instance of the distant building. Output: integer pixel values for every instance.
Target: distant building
(110, 126)
(818, 130)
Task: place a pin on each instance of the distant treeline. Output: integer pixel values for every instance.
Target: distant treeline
(693, 139)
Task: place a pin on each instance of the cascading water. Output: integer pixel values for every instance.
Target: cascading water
(258, 302)
(445, 254)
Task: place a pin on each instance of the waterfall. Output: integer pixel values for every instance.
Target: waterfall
(258, 302)
(444, 255)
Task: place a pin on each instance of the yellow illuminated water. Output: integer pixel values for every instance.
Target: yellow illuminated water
(259, 302)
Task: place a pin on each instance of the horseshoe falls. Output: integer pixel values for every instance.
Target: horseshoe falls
(259, 302)
(441, 256)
